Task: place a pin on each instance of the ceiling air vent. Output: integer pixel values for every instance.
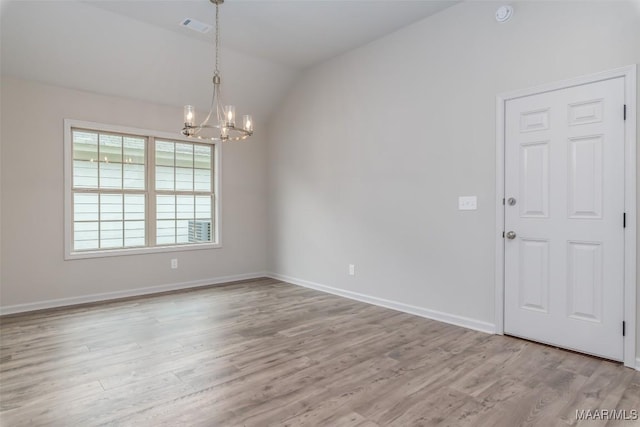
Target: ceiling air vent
(194, 25)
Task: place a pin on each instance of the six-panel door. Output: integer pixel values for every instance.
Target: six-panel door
(564, 155)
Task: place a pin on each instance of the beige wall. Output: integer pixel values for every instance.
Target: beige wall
(33, 266)
(386, 137)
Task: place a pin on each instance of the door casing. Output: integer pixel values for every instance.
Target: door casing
(630, 305)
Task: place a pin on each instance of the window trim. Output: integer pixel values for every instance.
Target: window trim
(70, 254)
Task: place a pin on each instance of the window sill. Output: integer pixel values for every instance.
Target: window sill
(139, 251)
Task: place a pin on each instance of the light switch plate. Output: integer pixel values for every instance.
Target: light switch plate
(467, 203)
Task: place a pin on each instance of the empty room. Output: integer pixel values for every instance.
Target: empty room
(319, 213)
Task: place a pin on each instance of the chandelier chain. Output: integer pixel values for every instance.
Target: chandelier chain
(217, 72)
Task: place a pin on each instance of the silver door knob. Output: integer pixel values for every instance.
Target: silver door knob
(511, 235)
(511, 201)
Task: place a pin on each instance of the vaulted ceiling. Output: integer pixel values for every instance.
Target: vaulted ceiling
(137, 49)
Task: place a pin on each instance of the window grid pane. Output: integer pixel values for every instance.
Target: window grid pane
(108, 161)
(184, 218)
(85, 159)
(183, 167)
(108, 220)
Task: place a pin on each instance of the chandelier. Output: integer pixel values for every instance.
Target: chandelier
(220, 123)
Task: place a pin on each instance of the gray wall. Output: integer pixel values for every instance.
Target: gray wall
(370, 150)
(33, 267)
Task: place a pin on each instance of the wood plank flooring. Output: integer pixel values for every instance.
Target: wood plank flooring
(262, 352)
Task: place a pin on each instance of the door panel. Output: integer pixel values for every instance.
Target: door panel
(534, 275)
(534, 179)
(564, 164)
(585, 177)
(585, 281)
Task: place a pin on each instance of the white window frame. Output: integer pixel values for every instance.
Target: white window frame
(151, 135)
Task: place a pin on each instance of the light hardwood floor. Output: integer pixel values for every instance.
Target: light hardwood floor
(262, 352)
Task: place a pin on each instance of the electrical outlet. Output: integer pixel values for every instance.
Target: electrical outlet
(352, 270)
(174, 263)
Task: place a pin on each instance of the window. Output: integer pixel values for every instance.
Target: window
(183, 192)
(132, 191)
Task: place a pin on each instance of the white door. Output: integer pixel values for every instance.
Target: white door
(564, 189)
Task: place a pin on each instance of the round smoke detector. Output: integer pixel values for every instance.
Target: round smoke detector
(504, 13)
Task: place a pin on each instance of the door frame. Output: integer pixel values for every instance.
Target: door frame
(629, 75)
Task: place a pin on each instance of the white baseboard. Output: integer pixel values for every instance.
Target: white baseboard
(452, 319)
(106, 296)
(638, 364)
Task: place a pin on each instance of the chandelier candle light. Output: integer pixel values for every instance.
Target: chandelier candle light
(220, 123)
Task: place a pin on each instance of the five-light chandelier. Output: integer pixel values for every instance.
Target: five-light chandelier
(220, 123)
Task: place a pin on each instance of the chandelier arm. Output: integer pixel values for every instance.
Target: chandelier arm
(214, 103)
(219, 107)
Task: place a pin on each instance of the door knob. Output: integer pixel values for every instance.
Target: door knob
(511, 201)
(511, 235)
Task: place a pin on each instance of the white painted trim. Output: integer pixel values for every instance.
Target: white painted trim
(217, 195)
(452, 319)
(63, 302)
(499, 268)
(630, 234)
(68, 172)
(140, 251)
(638, 364)
(630, 306)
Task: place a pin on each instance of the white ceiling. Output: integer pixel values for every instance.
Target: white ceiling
(298, 33)
(137, 49)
